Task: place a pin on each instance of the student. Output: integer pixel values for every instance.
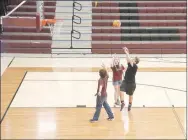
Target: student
(102, 96)
(117, 70)
(129, 83)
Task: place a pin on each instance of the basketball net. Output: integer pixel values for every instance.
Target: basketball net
(51, 23)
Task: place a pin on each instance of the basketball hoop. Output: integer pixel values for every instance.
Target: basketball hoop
(51, 23)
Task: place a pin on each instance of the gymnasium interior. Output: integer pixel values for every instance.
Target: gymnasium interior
(51, 54)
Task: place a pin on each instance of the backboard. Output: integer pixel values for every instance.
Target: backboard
(39, 14)
(12, 20)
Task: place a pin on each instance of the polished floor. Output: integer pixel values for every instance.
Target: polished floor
(40, 99)
(72, 123)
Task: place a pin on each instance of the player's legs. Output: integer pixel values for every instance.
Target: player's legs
(108, 110)
(130, 102)
(131, 99)
(122, 90)
(99, 104)
(117, 92)
(130, 92)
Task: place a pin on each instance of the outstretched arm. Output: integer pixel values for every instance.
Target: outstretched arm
(104, 67)
(128, 56)
(112, 62)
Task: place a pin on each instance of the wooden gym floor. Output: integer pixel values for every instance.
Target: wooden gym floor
(72, 123)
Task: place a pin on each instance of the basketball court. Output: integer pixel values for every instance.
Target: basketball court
(48, 98)
(51, 96)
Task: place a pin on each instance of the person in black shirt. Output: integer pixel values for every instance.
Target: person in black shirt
(129, 84)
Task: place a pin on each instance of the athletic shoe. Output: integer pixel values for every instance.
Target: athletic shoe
(110, 119)
(122, 106)
(118, 102)
(129, 107)
(93, 121)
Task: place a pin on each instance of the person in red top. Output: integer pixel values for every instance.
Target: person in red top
(117, 70)
(102, 96)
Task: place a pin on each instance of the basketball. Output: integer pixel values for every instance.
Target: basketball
(116, 23)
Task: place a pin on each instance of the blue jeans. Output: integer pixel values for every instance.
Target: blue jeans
(102, 101)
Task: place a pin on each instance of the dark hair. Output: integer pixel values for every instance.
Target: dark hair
(137, 60)
(102, 73)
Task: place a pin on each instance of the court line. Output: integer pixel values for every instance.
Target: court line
(8, 65)
(165, 61)
(94, 107)
(83, 55)
(176, 115)
(96, 69)
(72, 70)
(11, 62)
(110, 82)
(163, 87)
(168, 61)
(179, 122)
(13, 97)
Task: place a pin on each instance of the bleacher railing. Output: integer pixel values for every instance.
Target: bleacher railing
(1, 18)
(74, 20)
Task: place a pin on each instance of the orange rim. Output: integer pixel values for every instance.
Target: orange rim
(43, 22)
(48, 21)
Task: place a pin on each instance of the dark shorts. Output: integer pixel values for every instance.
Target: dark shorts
(129, 88)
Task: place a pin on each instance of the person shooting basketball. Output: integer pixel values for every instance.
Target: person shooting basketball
(129, 84)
